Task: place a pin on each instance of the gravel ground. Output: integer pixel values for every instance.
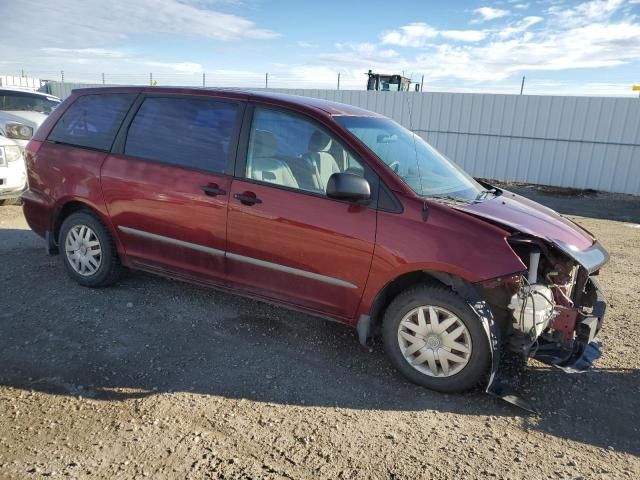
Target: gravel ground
(160, 379)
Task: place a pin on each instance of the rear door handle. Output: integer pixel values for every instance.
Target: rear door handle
(212, 190)
(248, 198)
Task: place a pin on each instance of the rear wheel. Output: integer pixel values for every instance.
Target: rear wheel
(435, 339)
(88, 251)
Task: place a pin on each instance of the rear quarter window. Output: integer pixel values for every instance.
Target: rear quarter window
(92, 121)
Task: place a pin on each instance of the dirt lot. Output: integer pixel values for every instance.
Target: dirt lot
(154, 378)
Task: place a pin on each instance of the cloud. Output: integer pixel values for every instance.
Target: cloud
(96, 52)
(180, 67)
(489, 13)
(585, 13)
(361, 56)
(94, 23)
(120, 37)
(591, 46)
(102, 37)
(519, 27)
(419, 34)
(464, 35)
(367, 50)
(594, 38)
(412, 35)
(521, 6)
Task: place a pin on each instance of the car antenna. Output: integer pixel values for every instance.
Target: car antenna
(425, 205)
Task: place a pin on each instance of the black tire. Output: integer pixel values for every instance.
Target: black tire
(473, 373)
(10, 201)
(110, 268)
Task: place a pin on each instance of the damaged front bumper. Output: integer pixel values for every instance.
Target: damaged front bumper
(496, 385)
(569, 342)
(580, 354)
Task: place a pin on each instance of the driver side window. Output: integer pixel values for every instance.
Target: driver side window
(287, 150)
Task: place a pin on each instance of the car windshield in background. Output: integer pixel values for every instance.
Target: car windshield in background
(418, 164)
(24, 101)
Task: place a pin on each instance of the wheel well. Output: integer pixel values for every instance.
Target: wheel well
(66, 210)
(395, 287)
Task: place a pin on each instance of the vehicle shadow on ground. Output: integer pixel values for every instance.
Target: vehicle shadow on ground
(147, 336)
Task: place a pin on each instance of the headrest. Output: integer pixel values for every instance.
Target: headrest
(319, 142)
(265, 144)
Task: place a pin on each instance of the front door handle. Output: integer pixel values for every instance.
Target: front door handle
(212, 190)
(248, 198)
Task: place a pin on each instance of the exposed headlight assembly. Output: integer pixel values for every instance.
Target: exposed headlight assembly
(18, 131)
(8, 154)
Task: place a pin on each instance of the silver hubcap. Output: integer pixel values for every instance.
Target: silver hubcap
(434, 341)
(83, 250)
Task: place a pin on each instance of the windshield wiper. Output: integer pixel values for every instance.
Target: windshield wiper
(449, 198)
(483, 194)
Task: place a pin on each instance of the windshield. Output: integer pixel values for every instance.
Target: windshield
(25, 101)
(389, 84)
(418, 164)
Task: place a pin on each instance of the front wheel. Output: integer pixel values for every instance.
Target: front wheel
(433, 337)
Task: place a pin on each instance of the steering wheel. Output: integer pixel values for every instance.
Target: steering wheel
(395, 166)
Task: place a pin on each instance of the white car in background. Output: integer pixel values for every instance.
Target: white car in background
(22, 112)
(13, 174)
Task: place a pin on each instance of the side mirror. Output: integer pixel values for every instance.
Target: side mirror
(347, 186)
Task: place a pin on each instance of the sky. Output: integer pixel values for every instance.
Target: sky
(560, 46)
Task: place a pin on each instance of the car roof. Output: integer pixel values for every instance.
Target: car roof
(26, 90)
(326, 106)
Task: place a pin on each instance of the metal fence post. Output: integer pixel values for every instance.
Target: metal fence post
(338, 80)
(103, 78)
(151, 79)
(62, 76)
(203, 79)
(266, 80)
(522, 86)
(422, 83)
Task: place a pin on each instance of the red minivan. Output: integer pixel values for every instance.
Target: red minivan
(321, 207)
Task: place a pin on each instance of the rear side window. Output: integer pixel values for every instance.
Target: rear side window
(92, 121)
(186, 132)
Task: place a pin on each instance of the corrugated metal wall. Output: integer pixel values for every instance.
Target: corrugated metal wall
(63, 89)
(578, 142)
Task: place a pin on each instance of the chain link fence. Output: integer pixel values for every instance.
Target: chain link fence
(239, 79)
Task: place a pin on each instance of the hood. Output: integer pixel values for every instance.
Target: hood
(32, 119)
(520, 214)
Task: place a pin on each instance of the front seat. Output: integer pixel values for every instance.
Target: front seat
(323, 161)
(262, 163)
